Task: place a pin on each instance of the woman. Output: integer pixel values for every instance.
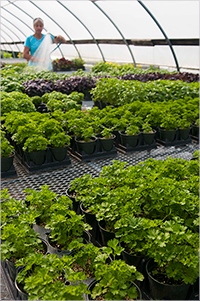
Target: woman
(34, 41)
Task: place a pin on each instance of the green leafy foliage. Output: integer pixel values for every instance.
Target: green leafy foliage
(50, 127)
(114, 279)
(59, 140)
(6, 148)
(107, 133)
(132, 130)
(119, 92)
(44, 278)
(16, 101)
(169, 123)
(184, 123)
(66, 226)
(35, 144)
(146, 128)
(138, 203)
(87, 134)
(18, 239)
(29, 131)
(40, 201)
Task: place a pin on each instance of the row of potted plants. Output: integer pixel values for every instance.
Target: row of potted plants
(63, 64)
(113, 90)
(139, 73)
(119, 92)
(15, 79)
(13, 75)
(18, 101)
(152, 208)
(7, 153)
(44, 273)
(34, 132)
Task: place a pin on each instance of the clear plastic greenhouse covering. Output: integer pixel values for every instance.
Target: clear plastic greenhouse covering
(159, 33)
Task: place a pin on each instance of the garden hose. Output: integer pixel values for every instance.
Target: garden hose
(56, 48)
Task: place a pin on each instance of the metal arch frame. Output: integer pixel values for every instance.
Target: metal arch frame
(17, 18)
(125, 42)
(28, 16)
(84, 27)
(10, 2)
(10, 30)
(9, 45)
(168, 41)
(4, 48)
(13, 25)
(58, 26)
(11, 40)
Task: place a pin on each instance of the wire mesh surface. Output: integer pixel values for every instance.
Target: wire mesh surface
(60, 179)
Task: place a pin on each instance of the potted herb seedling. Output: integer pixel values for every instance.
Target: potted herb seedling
(155, 115)
(87, 141)
(84, 258)
(59, 145)
(97, 125)
(7, 153)
(55, 214)
(174, 263)
(40, 201)
(66, 226)
(76, 188)
(49, 278)
(107, 139)
(35, 149)
(18, 237)
(184, 128)
(168, 127)
(50, 127)
(37, 100)
(78, 63)
(195, 128)
(114, 281)
(148, 133)
(15, 119)
(132, 234)
(26, 131)
(130, 135)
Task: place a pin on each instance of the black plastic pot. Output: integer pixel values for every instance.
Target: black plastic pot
(195, 131)
(21, 294)
(132, 259)
(105, 235)
(169, 135)
(76, 205)
(44, 233)
(132, 140)
(107, 144)
(10, 269)
(184, 133)
(36, 157)
(93, 283)
(149, 137)
(59, 153)
(160, 291)
(90, 219)
(6, 163)
(87, 147)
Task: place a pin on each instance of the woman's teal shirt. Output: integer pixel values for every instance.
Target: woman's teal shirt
(33, 43)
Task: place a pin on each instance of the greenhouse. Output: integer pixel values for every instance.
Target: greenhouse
(99, 150)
